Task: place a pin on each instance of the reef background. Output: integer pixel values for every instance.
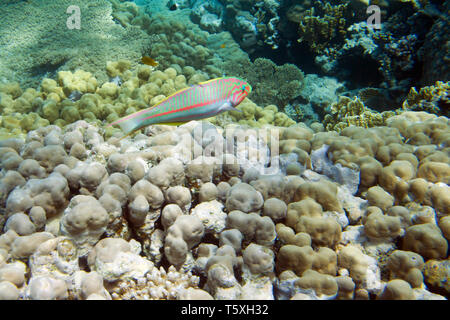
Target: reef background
(359, 208)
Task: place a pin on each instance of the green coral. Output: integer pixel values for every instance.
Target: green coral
(18, 124)
(323, 25)
(37, 43)
(128, 13)
(179, 42)
(271, 84)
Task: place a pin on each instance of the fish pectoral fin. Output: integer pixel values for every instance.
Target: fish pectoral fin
(229, 107)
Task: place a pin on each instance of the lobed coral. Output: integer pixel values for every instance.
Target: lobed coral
(98, 102)
(358, 211)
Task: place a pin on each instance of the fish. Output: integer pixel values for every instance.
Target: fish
(172, 5)
(223, 45)
(149, 61)
(201, 101)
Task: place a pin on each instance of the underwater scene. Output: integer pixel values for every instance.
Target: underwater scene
(224, 150)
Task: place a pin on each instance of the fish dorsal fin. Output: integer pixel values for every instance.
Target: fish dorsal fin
(209, 81)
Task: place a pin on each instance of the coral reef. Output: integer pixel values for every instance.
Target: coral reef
(251, 204)
(146, 219)
(142, 86)
(340, 38)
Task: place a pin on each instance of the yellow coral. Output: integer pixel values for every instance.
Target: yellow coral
(11, 88)
(347, 112)
(50, 86)
(109, 101)
(117, 68)
(108, 90)
(437, 273)
(432, 99)
(80, 80)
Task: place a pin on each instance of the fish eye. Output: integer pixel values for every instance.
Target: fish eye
(243, 88)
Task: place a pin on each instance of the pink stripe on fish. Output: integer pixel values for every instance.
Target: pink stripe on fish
(187, 104)
(182, 109)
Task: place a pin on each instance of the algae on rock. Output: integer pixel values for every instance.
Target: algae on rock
(36, 32)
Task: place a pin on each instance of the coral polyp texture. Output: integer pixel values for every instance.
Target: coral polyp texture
(311, 188)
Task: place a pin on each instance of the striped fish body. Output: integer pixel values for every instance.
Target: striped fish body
(201, 101)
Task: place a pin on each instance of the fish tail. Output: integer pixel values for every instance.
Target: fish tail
(129, 123)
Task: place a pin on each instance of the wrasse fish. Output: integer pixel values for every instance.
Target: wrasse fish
(200, 101)
(149, 61)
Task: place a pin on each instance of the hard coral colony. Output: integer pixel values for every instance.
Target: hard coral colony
(332, 184)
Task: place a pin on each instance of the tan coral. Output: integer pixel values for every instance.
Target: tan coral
(356, 262)
(406, 265)
(425, 239)
(434, 172)
(323, 192)
(378, 197)
(300, 259)
(397, 290)
(288, 236)
(378, 226)
(322, 284)
(394, 178)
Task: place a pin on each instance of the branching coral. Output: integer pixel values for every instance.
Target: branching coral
(432, 99)
(322, 25)
(347, 112)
